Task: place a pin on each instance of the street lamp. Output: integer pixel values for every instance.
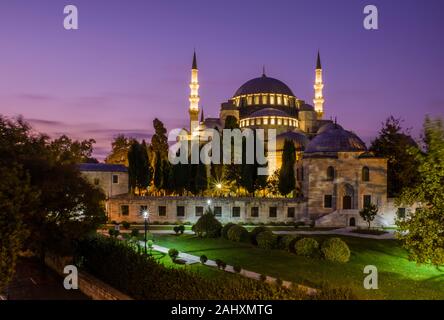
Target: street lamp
(145, 217)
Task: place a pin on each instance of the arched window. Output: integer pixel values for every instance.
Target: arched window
(330, 173)
(365, 174)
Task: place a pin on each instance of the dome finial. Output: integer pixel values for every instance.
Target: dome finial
(263, 71)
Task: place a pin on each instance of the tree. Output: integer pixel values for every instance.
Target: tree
(232, 171)
(139, 171)
(119, 152)
(287, 182)
(66, 150)
(393, 143)
(207, 225)
(422, 232)
(368, 213)
(159, 149)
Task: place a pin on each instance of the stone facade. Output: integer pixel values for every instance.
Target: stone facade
(188, 209)
(111, 179)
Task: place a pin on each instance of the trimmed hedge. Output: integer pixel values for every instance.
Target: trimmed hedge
(207, 226)
(336, 250)
(143, 278)
(266, 240)
(238, 233)
(308, 247)
(225, 228)
(255, 232)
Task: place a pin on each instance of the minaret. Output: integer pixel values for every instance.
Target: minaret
(318, 100)
(194, 96)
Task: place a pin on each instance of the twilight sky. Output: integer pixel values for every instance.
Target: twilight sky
(130, 61)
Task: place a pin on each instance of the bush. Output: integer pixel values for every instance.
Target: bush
(181, 229)
(287, 242)
(221, 264)
(279, 282)
(225, 228)
(336, 250)
(238, 233)
(113, 232)
(104, 257)
(134, 233)
(173, 253)
(237, 268)
(263, 277)
(203, 259)
(126, 225)
(207, 226)
(255, 232)
(176, 229)
(266, 240)
(307, 247)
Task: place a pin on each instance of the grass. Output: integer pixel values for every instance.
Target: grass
(399, 278)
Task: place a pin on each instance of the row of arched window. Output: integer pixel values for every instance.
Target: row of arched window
(365, 174)
(265, 98)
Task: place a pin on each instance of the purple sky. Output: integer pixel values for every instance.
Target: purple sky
(130, 61)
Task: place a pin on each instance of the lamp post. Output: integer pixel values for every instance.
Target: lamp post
(145, 216)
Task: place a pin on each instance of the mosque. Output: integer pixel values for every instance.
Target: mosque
(335, 172)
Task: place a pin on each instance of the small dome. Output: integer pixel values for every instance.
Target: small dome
(336, 140)
(299, 139)
(327, 127)
(266, 112)
(263, 84)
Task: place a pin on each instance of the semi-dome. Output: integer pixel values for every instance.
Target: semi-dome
(263, 84)
(336, 140)
(328, 126)
(298, 138)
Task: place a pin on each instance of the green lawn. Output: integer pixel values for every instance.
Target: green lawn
(398, 277)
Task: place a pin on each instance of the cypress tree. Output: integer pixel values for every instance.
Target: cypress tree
(287, 181)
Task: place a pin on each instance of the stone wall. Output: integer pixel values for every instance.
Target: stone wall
(348, 175)
(88, 284)
(105, 182)
(245, 206)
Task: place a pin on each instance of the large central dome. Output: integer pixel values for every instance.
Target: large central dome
(263, 84)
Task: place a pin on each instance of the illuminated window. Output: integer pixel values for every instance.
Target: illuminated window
(264, 99)
(286, 100)
(256, 99)
(265, 120)
(258, 121)
(279, 99)
(237, 102)
(252, 122)
(249, 100)
(279, 121)
(272, 121)
(285, 122)
(271, 98)
(247, 122)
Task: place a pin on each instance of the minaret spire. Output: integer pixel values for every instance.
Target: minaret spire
(194, 98)
(202, 118)
(318, 100)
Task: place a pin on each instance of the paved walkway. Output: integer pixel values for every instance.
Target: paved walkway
(192, 259)
(343, 232)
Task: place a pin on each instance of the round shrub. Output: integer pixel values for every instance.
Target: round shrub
(237, 268)
(173, 253)
(287, 242)
(308, 247)
(255, 232)
(225, 229)
(266, 240)
(203, 259)
(207, 226)
(238, 233)
(134, 233)
(336, 250)
(126, 225)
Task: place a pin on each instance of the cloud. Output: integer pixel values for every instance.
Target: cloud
(36, 97)
(43, 122)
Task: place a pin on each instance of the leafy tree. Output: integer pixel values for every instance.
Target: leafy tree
(201, 178)
(159, 141)
(66, 150)
(422, 232)
(207, 226)
(158, 174)
(287, 182)
(139, 171)
(144, 174)
(368, 213)
(393, 143)
(119, 152)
